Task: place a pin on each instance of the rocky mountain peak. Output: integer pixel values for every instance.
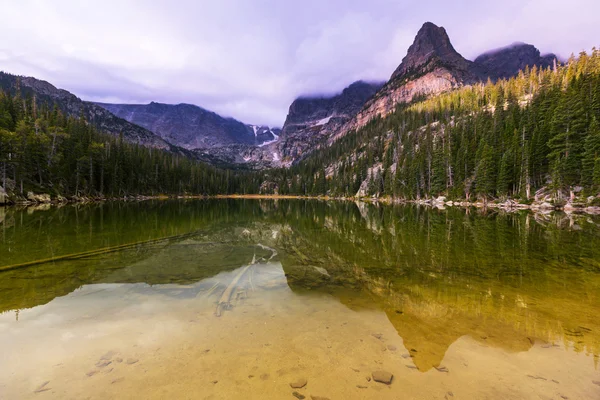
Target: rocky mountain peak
(432, 42)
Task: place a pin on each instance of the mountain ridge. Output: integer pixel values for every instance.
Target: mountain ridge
(432, 66)
(71, 105)
(190, 126)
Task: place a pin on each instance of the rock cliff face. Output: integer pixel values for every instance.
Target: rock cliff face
(508, 61)
(71, 105)
(312, 119)
(431, 66)
(192, 127)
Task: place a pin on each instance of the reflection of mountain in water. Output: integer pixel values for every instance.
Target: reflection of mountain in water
(505, 280)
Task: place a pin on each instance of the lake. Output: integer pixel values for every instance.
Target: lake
(223, 299)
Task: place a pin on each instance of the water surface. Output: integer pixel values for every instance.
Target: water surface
(230, 299)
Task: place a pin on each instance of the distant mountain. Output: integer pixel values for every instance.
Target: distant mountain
(312, 118)
(71, 105)
(508, 61)
(192, 127)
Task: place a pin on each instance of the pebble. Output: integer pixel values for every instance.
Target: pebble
(264, 377)
(215, 382)
(382, 377)
(361, 386)
(368, 379)
(596, 383)
(92, 372)
(42, 387)
(121, 379)
(405, 355)
(391, 347)
(131, 361)
(318, 397)
(441, 368)
(298, 395)
(377, 335)
(299, 383)
(119, 360)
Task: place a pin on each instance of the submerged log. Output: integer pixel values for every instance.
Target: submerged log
(90, 253)
(225, 300)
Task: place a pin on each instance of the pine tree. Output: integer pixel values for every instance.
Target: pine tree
(485, 182)
(591, 153)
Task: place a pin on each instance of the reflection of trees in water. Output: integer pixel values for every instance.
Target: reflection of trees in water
(503, 279)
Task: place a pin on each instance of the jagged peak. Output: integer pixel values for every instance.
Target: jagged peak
(431, 42)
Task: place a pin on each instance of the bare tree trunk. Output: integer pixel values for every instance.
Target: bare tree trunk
(91, 174)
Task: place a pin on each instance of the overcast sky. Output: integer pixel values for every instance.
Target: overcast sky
(250, 58)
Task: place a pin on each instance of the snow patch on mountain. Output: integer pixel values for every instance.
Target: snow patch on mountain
(323, 121)
(268, 142)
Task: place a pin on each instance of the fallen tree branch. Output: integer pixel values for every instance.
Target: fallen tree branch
(225, 300)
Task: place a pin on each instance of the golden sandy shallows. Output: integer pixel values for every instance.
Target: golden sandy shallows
(134, 341)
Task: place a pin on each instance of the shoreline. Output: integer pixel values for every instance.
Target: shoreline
(43, 200)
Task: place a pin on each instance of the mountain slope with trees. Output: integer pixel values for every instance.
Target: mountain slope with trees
(538, 131)
(44, 150)
(35, 93)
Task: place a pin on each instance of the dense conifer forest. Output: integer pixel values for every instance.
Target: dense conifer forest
(493, 140)
(43, 151)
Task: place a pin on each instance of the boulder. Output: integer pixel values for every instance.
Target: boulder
(440, 200)
(39, 198)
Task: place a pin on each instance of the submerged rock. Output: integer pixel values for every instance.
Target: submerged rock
(382, 377)
(299, 383)
(102, 364)
(108, 355)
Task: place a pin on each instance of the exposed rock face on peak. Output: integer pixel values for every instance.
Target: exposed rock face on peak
(431, 44)
(190, 126)
(311, 119)
(73, 106)
(431, 66)
(508, 61)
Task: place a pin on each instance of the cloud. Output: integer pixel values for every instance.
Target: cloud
(250, 59)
